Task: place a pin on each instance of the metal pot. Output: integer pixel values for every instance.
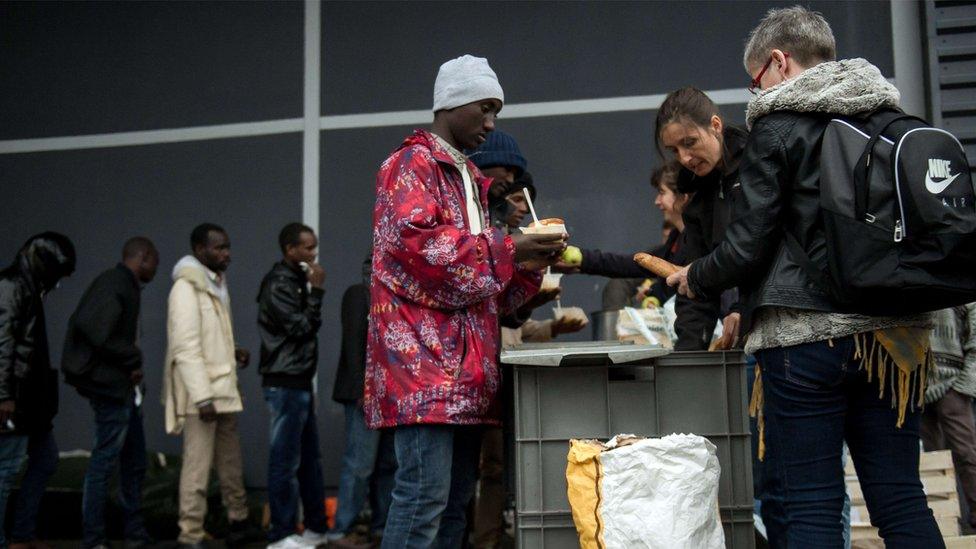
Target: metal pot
(605, 325)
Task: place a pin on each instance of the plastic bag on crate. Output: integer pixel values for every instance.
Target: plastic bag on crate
(644, 327)
(637, 492)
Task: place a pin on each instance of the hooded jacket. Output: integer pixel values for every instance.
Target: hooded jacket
(26, 376)
(436, 293)
(780, 176)
(200, 362)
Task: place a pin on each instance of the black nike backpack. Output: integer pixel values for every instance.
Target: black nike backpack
(899, 216)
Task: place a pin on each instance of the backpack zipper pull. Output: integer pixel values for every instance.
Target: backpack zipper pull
(899, 233)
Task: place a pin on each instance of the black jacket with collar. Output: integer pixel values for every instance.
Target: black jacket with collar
(780, 177)
(351, 373)
(717, 197)
(26, 376)
(100, 350)
(289, 318)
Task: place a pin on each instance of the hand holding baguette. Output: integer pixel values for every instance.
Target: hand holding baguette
(656, 265)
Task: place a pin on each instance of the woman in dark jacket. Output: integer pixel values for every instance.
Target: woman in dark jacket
(691, 129)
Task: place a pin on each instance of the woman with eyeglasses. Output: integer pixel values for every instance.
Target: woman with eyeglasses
(691, 129)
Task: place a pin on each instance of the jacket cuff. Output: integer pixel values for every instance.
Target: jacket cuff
(694, 277)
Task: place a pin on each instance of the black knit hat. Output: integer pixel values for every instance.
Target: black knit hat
(500, 149)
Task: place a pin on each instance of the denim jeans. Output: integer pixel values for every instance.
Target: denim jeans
(361, 458)
(120, 443)
(42, 461)
(13, 449)
(816, 396)
(437, 468)
(757, 485)
(294, 467)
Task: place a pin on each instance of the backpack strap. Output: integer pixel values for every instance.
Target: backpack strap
(862, 169)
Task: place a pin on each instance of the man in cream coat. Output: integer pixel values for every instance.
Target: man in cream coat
(200, 386)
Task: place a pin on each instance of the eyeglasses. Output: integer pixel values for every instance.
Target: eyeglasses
(755, 81)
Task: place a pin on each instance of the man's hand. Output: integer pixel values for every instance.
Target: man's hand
(135, 376)
(243, 357)
(730, 332)
(538, 251)
(565, 268)
(680, 279)
(541, 298)
(7, 409)
(208, 414)
(564, 325)
(316, 275)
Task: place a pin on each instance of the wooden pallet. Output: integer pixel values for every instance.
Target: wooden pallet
(939, 482)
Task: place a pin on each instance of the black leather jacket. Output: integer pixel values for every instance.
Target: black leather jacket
(779, 174)
(289, 317)
(26, 376)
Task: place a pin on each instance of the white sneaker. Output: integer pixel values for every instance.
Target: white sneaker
(293, 541)
(314, 539)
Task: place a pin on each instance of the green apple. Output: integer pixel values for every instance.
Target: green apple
(572, 256)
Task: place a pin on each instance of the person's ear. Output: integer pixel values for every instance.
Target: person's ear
(716, 124)
(781, 62)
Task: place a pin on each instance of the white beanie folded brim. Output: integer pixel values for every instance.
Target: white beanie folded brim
(465, 80)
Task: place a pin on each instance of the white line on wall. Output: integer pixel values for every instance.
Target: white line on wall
(734, 96)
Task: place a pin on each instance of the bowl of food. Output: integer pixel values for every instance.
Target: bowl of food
(552, 225)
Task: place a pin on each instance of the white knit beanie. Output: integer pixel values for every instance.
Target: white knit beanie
(465, 80)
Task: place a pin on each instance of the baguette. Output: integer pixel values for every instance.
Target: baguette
(656, 265)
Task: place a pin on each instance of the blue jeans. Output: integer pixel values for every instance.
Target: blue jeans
(42, 461)
(294, 467)
(757, 486)
(361, 458)
(13, 449)
(120, 443)
(816, 396)
(437, 468)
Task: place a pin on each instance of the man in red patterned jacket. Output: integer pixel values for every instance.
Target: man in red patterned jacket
(441, 276)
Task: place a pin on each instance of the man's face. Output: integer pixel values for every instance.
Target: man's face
(148, 266)
(305, 250)
(216, 254)
(469, 124)
(502, 177)
(520, 208)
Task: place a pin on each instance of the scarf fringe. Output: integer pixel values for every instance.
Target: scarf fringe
(876, 360)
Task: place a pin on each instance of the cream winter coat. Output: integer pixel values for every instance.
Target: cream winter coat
(200, 361)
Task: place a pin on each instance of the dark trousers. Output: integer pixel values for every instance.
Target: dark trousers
(948, 423)
(816, 396)
(120, 444)
(42, 462)
(294, 467)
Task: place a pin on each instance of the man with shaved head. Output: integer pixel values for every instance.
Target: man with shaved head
(103, 361)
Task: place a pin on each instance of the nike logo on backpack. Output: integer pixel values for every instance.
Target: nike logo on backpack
(938, 168)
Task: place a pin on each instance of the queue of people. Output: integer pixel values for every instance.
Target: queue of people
(450, 281)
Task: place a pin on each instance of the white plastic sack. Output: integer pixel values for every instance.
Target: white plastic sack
(654, 493)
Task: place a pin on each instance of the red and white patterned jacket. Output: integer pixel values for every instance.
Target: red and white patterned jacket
(436, 293)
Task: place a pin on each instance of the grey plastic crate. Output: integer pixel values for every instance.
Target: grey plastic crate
(557, 531)
(695, 392)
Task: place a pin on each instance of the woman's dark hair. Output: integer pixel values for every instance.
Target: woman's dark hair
(684, 105)
(666, 175)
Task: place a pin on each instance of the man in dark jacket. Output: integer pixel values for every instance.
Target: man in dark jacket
(817, 382)
(369, 454)
(28, 384)
(289, 317)
(102, 360)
